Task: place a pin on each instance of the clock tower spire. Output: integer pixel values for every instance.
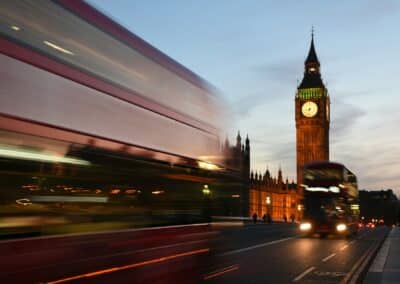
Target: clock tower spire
(312, 114)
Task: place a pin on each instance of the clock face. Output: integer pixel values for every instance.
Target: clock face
(309, 109)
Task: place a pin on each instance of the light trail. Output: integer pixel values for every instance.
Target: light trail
(221, 271)
(129, 266)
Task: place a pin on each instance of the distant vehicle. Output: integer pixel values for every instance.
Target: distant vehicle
(370, 225)
(330, 201)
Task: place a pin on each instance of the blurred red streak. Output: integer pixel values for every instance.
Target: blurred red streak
(220, 272)
(129, 266)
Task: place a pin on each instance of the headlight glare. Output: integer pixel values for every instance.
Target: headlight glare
(341, 227)
(305, 226)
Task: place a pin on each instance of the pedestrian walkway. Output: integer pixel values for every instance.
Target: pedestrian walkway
(386, 266)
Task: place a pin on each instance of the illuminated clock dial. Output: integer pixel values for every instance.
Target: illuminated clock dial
(309, 109)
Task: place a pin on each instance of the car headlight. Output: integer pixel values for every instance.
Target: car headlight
(341, 227)
(305, 226)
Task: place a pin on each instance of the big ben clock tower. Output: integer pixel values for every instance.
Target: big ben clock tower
(312, 115)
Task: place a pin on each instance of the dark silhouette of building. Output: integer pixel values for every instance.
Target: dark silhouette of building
(238, 157)
(311, 114)
(381, 205)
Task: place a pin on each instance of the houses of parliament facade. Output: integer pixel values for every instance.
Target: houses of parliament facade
(273, 195)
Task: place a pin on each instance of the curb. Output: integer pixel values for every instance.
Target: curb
(360, 269)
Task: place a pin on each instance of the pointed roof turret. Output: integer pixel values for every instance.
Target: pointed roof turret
(238, 140)
(247, 143)
(267, 173)
(280, 178)
(312, 75)
(226, 143)
(312, 55)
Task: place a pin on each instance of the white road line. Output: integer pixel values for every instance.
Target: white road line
(344, 247)
(328, 257)
(255, 246)
(304, 274)
(352, 242)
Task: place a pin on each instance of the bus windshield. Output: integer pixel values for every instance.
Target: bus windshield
(323, 177)
(323, 207)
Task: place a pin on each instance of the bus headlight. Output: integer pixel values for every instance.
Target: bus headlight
(341, 227)
(305, 226)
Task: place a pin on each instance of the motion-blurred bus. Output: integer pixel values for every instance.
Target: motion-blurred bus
(100, 130)
(330, 199)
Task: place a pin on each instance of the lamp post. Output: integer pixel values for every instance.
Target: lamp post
(268, 201)
(206, 190)
(207, 202)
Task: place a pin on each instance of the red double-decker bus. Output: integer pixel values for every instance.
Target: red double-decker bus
(330, 199)
(99, 127)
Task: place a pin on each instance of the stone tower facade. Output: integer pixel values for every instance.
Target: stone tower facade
(312, 115)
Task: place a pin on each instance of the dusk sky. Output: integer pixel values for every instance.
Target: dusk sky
(254, 52)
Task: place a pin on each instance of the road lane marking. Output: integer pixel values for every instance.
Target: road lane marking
(351, 276)
(328, 257)
(343, 247)
(352, 242)
(221, 271)
(304, 274)
(255, 246)
(129, 266)
(329, 274)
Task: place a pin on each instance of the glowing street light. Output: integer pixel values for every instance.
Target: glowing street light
(206, 190)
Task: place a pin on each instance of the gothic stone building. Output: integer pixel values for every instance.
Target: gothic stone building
(273, 196)
(263, 194)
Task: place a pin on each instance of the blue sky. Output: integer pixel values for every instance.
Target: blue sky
(253, 51)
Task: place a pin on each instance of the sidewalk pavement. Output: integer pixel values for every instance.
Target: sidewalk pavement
(386, 266)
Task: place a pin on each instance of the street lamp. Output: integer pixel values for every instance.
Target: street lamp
(206, 190)
(268, 201)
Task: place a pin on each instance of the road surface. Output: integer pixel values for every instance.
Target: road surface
(243, 253)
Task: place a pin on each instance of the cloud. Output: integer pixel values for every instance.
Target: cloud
(271, 81)
(283, 71)
(378, 10)
(244, 105)
(274, 154)
(344, 118)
